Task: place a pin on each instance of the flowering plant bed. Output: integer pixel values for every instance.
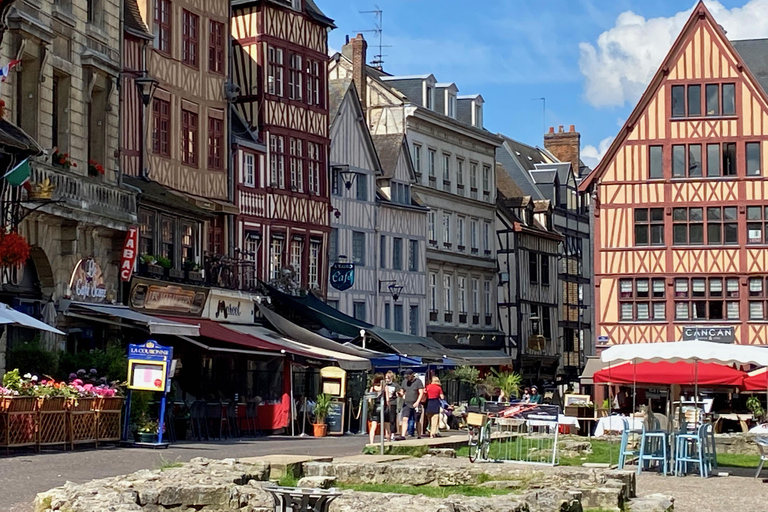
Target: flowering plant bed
(95, 168)
(62, 159)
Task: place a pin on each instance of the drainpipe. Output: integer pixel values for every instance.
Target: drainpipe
(120, 100)
(377, 256)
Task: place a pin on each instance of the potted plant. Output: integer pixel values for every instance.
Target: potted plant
(147, 430)
(154, 265)
(95, 168)
(192, 271)
(165, 264)
(508, 382)
(322, 407)
(756, 408)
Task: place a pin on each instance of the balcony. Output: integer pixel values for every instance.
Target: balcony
(216, 272)
(74, 194)
(462, 318)
(475, 319)
(448, 316)
(433, 315)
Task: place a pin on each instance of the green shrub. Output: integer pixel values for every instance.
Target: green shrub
(30, 357)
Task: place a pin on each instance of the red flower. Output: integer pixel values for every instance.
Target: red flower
(74, 164)
(14, 249)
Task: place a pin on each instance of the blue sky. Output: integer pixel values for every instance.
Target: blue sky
(590, 59)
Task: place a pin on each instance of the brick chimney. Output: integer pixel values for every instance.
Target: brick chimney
(356, 50)
(564, 145)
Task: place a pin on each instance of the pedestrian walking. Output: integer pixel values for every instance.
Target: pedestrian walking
(379, 389)
(393, 391)
(413, 393)
(435, 396)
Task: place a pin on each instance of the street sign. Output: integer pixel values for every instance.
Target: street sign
(342, 276)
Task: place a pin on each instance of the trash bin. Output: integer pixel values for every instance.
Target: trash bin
(296, 499)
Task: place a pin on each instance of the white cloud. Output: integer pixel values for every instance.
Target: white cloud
(619, 65)
(592, 155)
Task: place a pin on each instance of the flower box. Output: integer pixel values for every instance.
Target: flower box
(175, 274)
(18, 422)
(81, 421)
(109, 410)
(155, 270)
(52, 421)
(194, 276)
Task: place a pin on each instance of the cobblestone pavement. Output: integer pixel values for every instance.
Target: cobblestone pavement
(738, 492)
(22, 476)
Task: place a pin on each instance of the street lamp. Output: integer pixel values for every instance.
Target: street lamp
(345, 174)
(146, 86)
(393, 288)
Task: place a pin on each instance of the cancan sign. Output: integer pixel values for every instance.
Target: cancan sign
(130, 249)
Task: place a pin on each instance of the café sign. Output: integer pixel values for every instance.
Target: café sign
(231, 307)
(161, 297)
(342, 276)
(716, 333)
(87, 282)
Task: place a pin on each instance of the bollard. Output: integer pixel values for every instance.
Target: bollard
(295, 499)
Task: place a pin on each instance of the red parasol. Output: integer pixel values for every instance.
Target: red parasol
(681, 372)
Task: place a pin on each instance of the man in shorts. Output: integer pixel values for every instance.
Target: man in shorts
(413, 393)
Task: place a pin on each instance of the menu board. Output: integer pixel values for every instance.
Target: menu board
(335, 418)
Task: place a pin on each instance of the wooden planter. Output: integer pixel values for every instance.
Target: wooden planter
(109, 412)
(82, 421)
(52, 421)
(18, 422)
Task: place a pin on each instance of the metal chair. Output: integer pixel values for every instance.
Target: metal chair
(252, 417)
(653, 447)
(232, 426)
(762, 445)
(214, 416)
(691, 449)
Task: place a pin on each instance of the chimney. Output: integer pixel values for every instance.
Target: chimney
(356, 50)
(565, 146)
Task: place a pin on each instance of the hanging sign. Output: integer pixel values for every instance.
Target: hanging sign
(148, 366)
(130, 250)
(230, 306)
(87, 282)
(342, 276)
(162, 297)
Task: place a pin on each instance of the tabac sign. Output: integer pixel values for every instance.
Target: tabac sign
(87, 282)
(716, 333)
(128, 259)
(342, 276)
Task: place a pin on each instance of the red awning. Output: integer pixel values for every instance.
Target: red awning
(757, 380)
(220, 332)
(681, 372)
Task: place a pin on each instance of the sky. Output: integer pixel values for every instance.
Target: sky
(590, 59)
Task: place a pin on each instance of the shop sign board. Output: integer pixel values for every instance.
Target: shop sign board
(171, 298)
(148, 366)
(342, 276)
(87, 282)
(716, 333)
(231, 307)
(130, 250)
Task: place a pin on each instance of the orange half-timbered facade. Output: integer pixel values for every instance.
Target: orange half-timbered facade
(280, 53)
(680, 202)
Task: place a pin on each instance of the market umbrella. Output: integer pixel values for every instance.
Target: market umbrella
(665, 372)
(10, 316)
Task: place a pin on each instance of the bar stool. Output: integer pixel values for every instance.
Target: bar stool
(691, 449)
(653, 447)
(198, 419)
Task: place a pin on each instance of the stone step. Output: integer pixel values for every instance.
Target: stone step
(282, 465)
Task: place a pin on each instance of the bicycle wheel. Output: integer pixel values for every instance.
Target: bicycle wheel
(485, 441)
(473, 444)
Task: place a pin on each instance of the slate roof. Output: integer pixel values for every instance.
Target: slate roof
(154, 192)
(388, 147)
(755, 55)
(309, 6)
(133, 21)
(240, 128)
(337, 89)
(505, 184)
(518, 168)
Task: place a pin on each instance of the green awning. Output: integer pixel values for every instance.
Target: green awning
(334, 320)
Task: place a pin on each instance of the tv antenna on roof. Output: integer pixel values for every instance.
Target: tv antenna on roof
(378, 31)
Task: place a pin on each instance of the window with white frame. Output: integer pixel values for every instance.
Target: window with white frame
(448, 291)
(473, 235)
(446, 167)
(486, 182)
(276, 161)
(431, 221)
(460, 173)
(429, 97)
(473, 180)
(475, 297)
(297, 250)
(487, 302)
(462, 295)
(487, 237)
(432, 291)
(447, 229)
(413, 255)
(314, 264)
(249, 169)
(460, 232)
(295, 73)
(275, 71)
(297, 162)
(431, 163)
(358, 248)
(417, 158)
(451, 106)
(275, 257)
(313, 164)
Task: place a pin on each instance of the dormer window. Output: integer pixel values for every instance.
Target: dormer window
(429, 97)
(450, 106)
(296, 5)
(400, 192)
(477, 118)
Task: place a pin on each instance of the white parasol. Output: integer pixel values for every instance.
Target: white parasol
(9, 315)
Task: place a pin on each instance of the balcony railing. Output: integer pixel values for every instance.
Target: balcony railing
(217, 272)
(86, 194)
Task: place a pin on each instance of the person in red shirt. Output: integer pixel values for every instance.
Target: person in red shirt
(434, 394)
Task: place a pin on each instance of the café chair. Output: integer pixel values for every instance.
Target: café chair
(690, 448)
(653, 447)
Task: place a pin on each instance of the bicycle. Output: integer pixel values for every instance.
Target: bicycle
(479, 439)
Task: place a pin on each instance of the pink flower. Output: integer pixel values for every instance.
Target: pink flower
(77, 382)
(88, 387)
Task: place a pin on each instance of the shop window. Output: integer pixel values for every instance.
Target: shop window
(188, 242)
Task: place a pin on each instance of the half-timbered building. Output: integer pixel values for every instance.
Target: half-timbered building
(454, 163)
(280, 57)
(176, 131)
(552, 173)
(680, 199)
(528, 248)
